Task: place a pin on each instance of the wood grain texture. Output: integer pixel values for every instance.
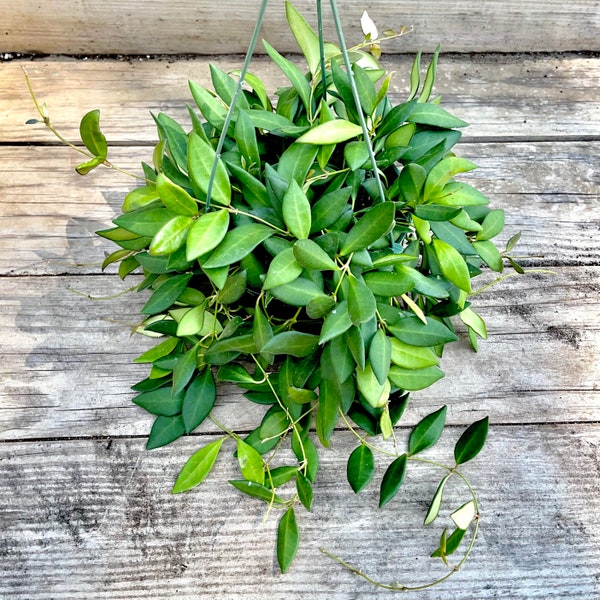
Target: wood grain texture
(95, 519)
(67, 361)
(550, 193)
(184, 26)
(515, 97)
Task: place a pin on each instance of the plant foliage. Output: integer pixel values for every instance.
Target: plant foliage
(313, 251)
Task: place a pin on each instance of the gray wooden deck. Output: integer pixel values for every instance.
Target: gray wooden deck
(86, 512)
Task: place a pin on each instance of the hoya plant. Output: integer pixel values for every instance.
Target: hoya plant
(315, 246)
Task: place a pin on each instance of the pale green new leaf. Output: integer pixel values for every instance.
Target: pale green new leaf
(453, 265)
(171, 236)
(296, 211)
(201, 157)
(198, 466)
(284, 268)
(331, 132)
(207, 233)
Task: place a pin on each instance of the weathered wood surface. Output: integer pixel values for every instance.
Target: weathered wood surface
(203, 27)
(511, 97)
(550, 193)
(92, 517)
(95, 519)
(67, 359)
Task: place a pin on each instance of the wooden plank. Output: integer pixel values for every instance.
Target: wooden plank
(501, 96)
(67, 361)
(186, 26)
(548, 190)
(85, 519)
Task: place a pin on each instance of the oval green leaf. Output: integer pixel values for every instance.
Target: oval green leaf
(360, 468)
(296, 211)
(288, 539)
(471, 442)
(392, 480)
(237, 244)
(376, 222)
(198, 466)
(201, 157)
(251, 463)
(330, 132)
(427, 432)
(199, 400)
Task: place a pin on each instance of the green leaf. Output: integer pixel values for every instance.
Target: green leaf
(166, 294)
(184, 370)
(492, 225)
(452, 543)
(163, 349)
(274, 424)
(160, 401)
(171, 236)
(89, 165)
(255, 490)
(296, 211)
(174, 197)
(471, 442)
(320, 306)
(412, 331)
(392, 480)
(400, 138)
(415, 76)
(164, 431)
(201, 157)
(360, 468)
(295, 162)
(146, 222)
(489, 254)
(443, 172)
(199, 400)
(288, 539)
(197, 467)
(312, 257)
(336, 323)
(327, 413)
(453, 265)
(305, 491)
(207, 233)
(91, 136)
(375, 393)
(412, 357)
(177, 140)
(429, 77)
(245, 136)
(328, 209)
(293, 343)
(427, 432)
(305, 37)
(395, 118)
(432, 114)
(380, 351)
(366, 89)
(298, 292)
(375, 223)
(210, 107)
(361, 302)
(330, 132)
(356, 154)
(283, 269)
(437, 212)
(415, 379)
(251, 463)
(225, 86)
(472, 320)
(436, 502)
(293, 73)
(192, 322)
(237, 244)
(281, 475)
(387, 283)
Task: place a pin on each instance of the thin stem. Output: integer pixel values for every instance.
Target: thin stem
(361, 117)
(321, 48)
(398, 587)
(238, 89)
(513, 274)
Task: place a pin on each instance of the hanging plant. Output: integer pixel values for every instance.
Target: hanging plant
(313, 252)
